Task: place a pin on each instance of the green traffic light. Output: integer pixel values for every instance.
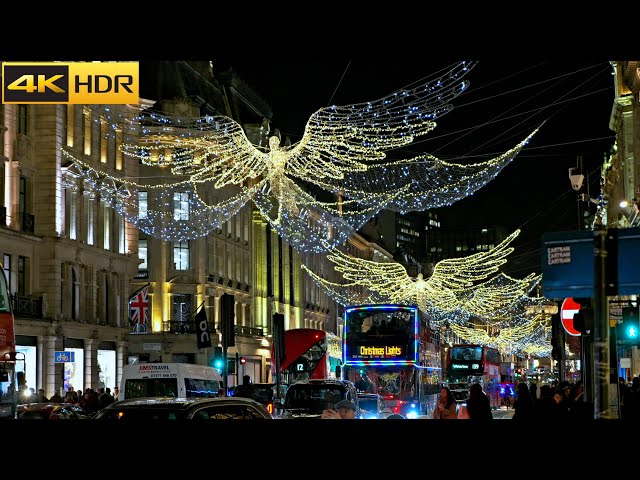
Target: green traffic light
(632, 332)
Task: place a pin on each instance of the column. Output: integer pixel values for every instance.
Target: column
(90, 364)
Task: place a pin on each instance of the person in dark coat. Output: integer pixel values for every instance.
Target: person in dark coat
(478, 406)
(523, 406)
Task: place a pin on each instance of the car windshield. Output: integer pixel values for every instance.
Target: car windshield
(313, 398)
(369, 405)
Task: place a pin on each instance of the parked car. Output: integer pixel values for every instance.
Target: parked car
(308, 398)
(51, 411)
(263, 393)
(372, 406)
(184, 409)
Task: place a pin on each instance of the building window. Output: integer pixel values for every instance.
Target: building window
(23, 119)
(70, 119)
(6, 264)
(142, 253)
(22, 199)
(118, 151)
(122, 238)
(142, 204)
(73, 215)
(181, 206)
(22, 274)
(91, 215)
(106, 213)
(181, 255)
(87, 132)
(103, 141)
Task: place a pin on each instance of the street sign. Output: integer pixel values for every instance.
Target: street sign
(65, 357)
(568, 263)
(569, 308)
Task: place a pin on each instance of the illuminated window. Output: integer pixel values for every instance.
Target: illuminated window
(142, 204)
(181, 206)
(70, 120)
(181, 255)
(73, 215)
(106, 215)
(118, 142)
(142, 253)
(87, 132)
(91, 215)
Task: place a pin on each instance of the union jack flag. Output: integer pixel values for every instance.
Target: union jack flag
(139, 306)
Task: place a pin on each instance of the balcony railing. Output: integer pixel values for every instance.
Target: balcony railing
(178, 327)
(26, 306)
(248, 331)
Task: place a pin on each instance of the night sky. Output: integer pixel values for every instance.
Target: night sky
(506, 101)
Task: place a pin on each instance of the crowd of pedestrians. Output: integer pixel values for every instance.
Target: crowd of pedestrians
(567, 402)
(91, 400)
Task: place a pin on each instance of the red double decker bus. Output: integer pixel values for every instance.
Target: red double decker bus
(468, 364)
(8, 359)
(309, 353)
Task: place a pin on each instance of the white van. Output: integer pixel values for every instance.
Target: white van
(169, 380)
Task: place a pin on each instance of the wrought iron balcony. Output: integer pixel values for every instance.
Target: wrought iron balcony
(26, 306)
(178, 327)
(244, 331)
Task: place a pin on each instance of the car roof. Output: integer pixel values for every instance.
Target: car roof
(322, 381)
(368, 395)
(178, 402)
(42, 405)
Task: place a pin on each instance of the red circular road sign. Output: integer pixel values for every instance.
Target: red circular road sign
(569, 308)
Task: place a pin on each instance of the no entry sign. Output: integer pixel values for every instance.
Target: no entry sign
(569, 308)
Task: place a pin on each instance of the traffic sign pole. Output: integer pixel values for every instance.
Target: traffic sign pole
(601, 327)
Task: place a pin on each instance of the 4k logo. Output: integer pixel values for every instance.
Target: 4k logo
(77, 82)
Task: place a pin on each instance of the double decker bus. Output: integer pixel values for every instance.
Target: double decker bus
(8, 375)
(384, 352)
(468, 364)
(310, 353)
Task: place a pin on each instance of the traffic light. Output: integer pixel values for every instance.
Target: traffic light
(243, 360)
(228, 319)
(218, 361)
(628, 331)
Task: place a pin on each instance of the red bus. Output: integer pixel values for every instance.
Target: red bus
(7, 352)
(476, 363)
(309, 353)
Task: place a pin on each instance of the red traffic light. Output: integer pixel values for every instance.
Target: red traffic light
(243, 360)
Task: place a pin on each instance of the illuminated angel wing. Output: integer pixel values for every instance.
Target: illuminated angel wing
(457, 274)
(497, 297)
(386, 279)
(429, 182)
(338, 139)
(205, 148)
